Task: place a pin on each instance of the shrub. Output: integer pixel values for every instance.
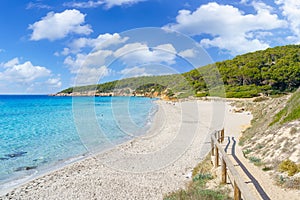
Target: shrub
(260, 99)
(293, 130)
(289, 166)
(202, 177)
(266, 168)
(197, 189)
(201, 94)
(246, 152)
(256, 161)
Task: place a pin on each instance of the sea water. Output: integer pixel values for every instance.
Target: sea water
(39, 132)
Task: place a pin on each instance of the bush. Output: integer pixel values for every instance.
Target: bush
(197, 189)
(290, 112)
(202, 177)
(260, 99)
(256, 161)
(201, 94)
(246, 152)
(293, 131)
(289, 166)
(267, 168)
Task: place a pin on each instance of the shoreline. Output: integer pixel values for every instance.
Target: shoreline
(53, 167)
(101, 167)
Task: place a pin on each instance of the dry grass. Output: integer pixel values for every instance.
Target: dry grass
(203, 167)
(197, 188)
(268, 147)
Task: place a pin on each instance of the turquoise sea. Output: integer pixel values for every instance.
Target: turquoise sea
(39, 132)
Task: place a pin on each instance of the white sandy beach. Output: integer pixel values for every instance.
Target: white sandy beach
(145, 168)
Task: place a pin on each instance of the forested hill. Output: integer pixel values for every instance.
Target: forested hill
(271, 71)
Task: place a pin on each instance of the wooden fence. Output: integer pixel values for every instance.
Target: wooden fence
(240, 187)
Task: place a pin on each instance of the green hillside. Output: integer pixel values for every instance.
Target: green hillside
(271, 71)
(290, 112)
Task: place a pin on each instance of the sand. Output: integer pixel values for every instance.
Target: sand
(147, 167)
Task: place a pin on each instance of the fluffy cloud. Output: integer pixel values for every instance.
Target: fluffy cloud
(166, 47)
(228, 26)
(91, 75)
(138, 53)
(26, 77)
(188, 53)
(11, 63)
(134, 72)
(111, 3)
(54, 82)
(94, 59)
(107, 3)
(86, 66)
(23, 73)
(101, 42)
(291, 9)
(58, 25)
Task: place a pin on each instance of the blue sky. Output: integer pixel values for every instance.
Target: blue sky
(49, 45)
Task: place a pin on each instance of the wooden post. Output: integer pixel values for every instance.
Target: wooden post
(216, 156)
(216, 135)
(222, 135)
(212, 147)
(224, 172)
(237, 192)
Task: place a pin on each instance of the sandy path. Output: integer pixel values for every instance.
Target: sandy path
(145, 168)
(269, 186)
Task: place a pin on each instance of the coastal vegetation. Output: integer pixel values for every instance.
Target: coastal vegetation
(197, 188)
(270, 72)
(290, 112)
(272, 141)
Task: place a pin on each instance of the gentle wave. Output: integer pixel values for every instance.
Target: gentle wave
(38, 133)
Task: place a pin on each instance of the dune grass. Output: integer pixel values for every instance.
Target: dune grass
(197, 187)
(290, 112)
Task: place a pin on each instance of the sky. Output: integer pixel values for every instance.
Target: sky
(50, 45)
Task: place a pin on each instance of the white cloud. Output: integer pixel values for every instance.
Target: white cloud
(166, 47)
(228, 26)
(11, 63)
(91, 75)
(112, 3)
(94, 59)
(86, 67)
(134, 72)
(88, 4)
(27, 78)
(75, 63)
(23, 73)
(97, 58)
(107, 3)
(244, 1)
(54, 82)
(37, 5)
(102, 41)
(58, 25)
(291, 9)
(128, 48)
(138, 53)
(237, 46)
(188, 53)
